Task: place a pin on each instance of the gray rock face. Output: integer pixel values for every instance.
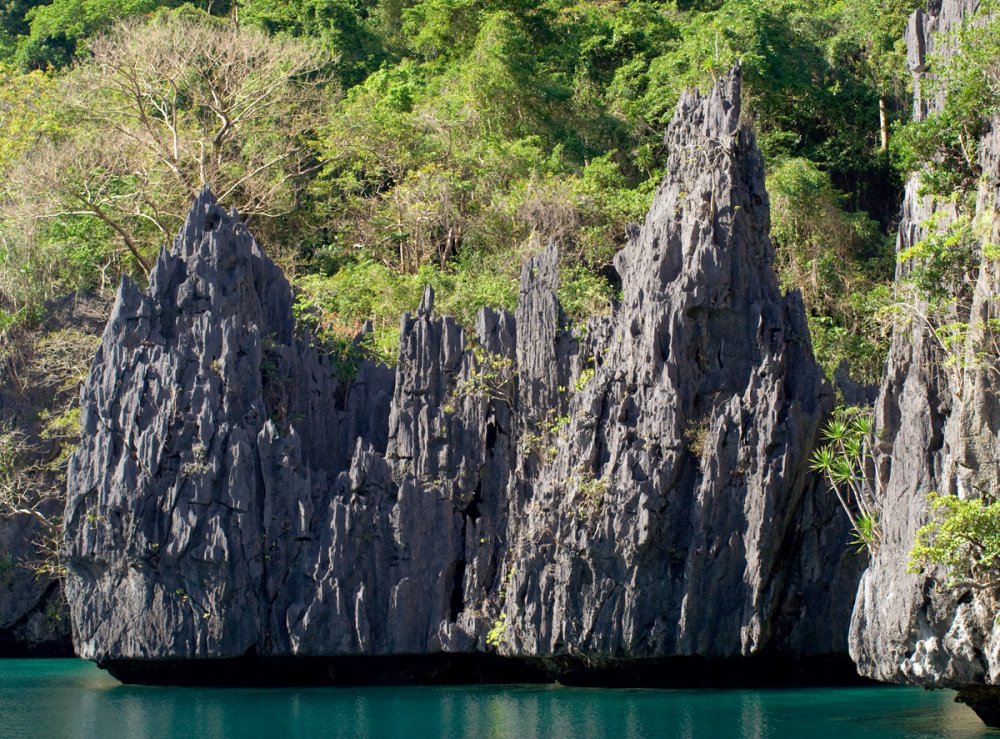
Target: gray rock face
(567, 498)
(211, 434)
(940, 430)
(671, 510)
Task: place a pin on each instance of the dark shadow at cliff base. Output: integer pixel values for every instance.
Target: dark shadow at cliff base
(471, 669)
(13, 646)
(424, 669)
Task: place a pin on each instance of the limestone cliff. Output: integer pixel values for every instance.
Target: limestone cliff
(670, 511)
(940, 431)
(571, 498)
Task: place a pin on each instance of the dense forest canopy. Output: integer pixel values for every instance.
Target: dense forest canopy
(376, 146)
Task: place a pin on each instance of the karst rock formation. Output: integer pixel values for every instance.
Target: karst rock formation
(939, 428)
(623, 501)
(537, 500)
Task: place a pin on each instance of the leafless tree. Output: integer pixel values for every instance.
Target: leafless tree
(161, 107)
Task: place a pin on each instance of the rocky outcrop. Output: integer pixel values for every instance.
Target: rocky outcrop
(211, 435)
(670, 510)
(557, 500)
(940, 431)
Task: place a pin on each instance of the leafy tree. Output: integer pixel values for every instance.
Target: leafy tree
(14, 24)
(339, 25)
(963, 537)
(870, 45)
(29, 110)
(57, 29)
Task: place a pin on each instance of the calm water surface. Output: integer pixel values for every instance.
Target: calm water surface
(71, 698)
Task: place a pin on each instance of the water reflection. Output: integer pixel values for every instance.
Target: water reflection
(74, 699)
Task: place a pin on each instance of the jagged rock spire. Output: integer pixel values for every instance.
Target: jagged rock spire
(678, 472)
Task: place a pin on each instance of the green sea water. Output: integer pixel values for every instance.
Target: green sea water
(71, 698)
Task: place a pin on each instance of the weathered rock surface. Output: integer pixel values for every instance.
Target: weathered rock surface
(211, 435)
(671, 512)
(940, 429)
(572, 500)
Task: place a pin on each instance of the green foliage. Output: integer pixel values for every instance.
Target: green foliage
(42, 374)
(869, 43)
(590, 493)
(198, 464)
(839, 260)
(540, 441)
(366, 290)
(963, 536)
(583, 294)
(338, 24)
(65, 425)
(856, 333)
(57, 29)
(345, 343)
(696, 435)
(13, 449)
(469, 132)
(30, 109)
(847, 461)
(496, 636)
(159, 107)
(943, 146)
(63, 254)
(943, 261)
(490, 377)
(938, 289)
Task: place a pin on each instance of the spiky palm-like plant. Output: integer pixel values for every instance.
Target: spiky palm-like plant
(847, 460)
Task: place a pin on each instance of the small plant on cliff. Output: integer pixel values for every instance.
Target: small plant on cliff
(963, 536)
(696, 435)
(491, 377)
(591, 493)
(541, 441)
(495, 636)
(586, 375)
(198, 464)
(847, 461)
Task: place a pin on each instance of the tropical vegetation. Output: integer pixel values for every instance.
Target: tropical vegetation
(377, 146)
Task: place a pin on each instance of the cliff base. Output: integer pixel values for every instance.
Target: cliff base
(483, 669)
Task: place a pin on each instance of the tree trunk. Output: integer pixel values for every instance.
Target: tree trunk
(883, 122)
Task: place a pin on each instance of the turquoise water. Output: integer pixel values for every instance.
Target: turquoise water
(70, 698)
